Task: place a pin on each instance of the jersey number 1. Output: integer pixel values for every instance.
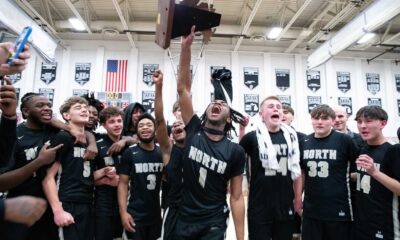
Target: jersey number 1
(202, 176)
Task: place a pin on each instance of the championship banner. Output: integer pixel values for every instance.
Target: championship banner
(285, 99)
(313, 80)
(375, 102)
(312, 102)
(115, 99)
(15, 78)
(373, 83)
(250, 77)
(251, 104)
(347, 103)
(48, 93)
(282, 79)
(343, 81)
(213, 68)
(148, 70)
(398, 106)
(397, 81)
(80, 92)
(148, 100)
(82, 73)
(48, 73)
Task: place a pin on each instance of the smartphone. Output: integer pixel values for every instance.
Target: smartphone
(19, 44)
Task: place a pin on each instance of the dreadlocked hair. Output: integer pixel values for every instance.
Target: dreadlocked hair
(94, 102)
(236, 117)
(25, 99)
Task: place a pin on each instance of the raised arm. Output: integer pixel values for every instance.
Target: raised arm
(161, 130)
(184, 78)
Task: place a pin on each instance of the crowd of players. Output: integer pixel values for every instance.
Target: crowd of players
(334, 183)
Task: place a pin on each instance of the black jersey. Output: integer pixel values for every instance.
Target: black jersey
(207, 167)
(145, 170)
(270, 192)
(369, 214)
(390, 201)
(106, 197)
(75, 176)
(174, 177)
(326, 163)
(8, 138)
(29, 143)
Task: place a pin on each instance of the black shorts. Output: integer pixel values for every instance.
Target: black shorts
(83, 226)
(277, 230)
(108, 227)
(44, 228)
(169, 222)
(314, 229)
(200, 231)
(297, 223)
(150, 232)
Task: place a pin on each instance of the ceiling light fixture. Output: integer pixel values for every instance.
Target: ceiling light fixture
(377, 14)
(77, 24)
(366, 38)
(274, 33)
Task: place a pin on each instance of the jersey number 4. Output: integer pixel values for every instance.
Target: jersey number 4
(320, 169)
(363, 183)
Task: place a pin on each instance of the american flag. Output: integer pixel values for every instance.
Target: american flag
(116, 75)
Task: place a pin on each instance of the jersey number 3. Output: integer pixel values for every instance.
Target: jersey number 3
(152, 182)
(318, 168)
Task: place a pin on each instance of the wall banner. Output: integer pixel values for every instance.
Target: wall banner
(313, 80)
(48, 73)
(82, 73)
(282, 79)
(285, 99)
(397, 81)
(115, 99)
(148, 101)
(375, 102)
(250, 77)
(312, 102)
(148, 70)
(15, 78)
(251, 104)
(47, 92)
(347, 103)
(343, 81)
(373, 83)
(80, 92)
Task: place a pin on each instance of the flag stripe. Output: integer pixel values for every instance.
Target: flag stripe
(116, 75)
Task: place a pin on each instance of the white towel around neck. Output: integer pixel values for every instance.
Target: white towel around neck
(267, 152)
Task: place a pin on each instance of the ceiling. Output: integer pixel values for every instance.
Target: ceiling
(244, 24)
